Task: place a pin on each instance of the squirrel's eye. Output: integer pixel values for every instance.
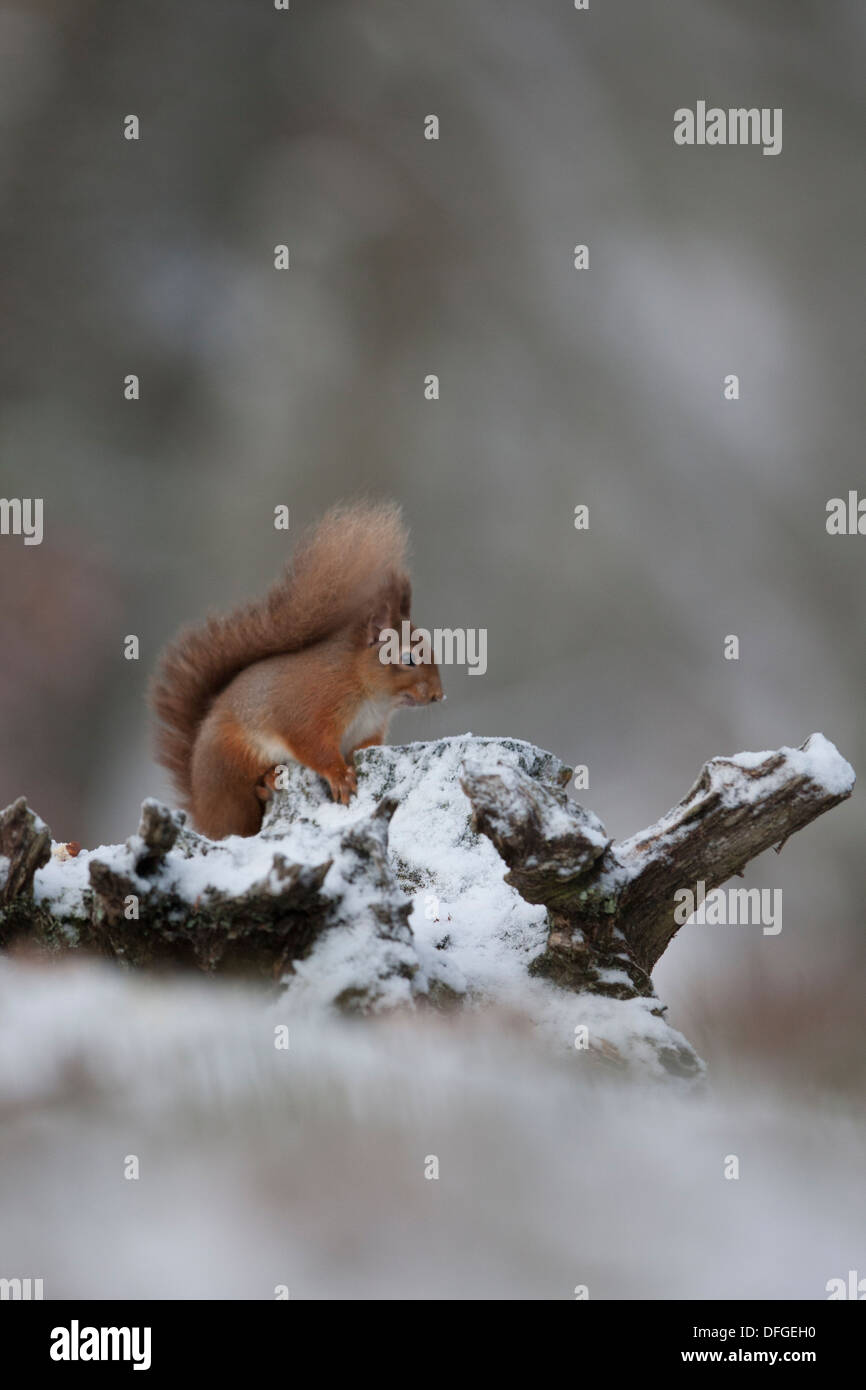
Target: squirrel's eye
(408, 659)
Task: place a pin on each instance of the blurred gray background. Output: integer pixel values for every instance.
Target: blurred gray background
(558, 387)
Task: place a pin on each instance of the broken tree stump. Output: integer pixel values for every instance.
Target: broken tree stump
(400, 898)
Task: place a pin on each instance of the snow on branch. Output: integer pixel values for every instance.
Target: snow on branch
(612, 905)
(738, 808)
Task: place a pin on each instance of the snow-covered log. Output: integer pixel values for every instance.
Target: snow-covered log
(399, 900)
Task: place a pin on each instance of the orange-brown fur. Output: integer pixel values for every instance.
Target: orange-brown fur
(295, 675)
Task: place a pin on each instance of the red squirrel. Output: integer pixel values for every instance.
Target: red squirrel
(294, 676)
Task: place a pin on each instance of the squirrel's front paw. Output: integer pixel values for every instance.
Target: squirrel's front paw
(343, 785)
(266, 785)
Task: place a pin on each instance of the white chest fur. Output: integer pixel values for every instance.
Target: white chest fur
(371, 716)
(272, 748)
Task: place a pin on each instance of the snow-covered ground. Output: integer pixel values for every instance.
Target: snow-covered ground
(262, 1166)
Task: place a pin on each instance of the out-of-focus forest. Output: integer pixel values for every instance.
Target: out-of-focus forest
(602, 386)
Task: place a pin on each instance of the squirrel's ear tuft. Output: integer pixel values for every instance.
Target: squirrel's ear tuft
(405, 597)
(378, 621)
(390, 608)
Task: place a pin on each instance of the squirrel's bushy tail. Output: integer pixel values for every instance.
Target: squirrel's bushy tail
(337, 570)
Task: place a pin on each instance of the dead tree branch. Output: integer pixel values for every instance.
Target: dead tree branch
(611, 906)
